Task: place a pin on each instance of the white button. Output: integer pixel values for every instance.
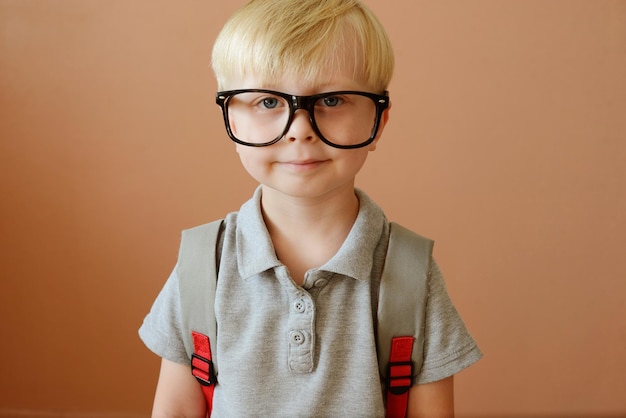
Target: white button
(296, 337)
(299, 306)
(321, 282)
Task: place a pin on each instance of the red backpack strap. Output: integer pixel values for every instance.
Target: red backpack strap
(202, 367)
(399, 376)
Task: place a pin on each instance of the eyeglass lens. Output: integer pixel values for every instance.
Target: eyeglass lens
(259, 117)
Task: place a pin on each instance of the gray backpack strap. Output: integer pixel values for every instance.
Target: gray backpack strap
(403, 293)
(197, 276)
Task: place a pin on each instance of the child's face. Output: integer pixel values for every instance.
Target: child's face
(300, 164)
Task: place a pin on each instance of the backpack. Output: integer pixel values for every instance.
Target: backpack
(399, 336)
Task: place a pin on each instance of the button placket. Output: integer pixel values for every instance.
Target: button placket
(301, 336)
(320, 283)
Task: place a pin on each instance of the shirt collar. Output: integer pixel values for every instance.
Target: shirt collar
(256, 254)
(356, 255)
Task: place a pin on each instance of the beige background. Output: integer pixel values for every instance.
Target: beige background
(507, 144)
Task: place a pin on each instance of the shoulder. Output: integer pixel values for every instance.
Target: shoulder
(406, 238)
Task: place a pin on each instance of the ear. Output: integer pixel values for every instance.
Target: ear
(381, 127)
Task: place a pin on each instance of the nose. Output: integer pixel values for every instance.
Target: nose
(300, 127)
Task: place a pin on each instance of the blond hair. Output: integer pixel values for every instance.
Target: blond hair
(306, 39)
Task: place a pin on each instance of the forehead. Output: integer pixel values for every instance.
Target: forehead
(339, 68)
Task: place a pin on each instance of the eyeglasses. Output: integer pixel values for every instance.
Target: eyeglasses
(342, 119)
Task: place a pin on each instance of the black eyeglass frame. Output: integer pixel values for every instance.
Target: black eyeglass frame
(305, 103)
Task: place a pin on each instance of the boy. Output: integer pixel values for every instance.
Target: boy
(303, 94)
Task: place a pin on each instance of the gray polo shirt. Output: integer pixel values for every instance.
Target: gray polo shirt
(285, 350)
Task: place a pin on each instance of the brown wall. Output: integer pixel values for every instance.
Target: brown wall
(507, 144)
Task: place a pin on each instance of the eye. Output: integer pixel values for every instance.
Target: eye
(332, 101)
(270, 102)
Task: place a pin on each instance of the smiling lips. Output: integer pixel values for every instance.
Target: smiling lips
(301, 165)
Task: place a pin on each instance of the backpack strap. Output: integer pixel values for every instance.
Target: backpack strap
(202, 367)
(401, 310)
(197, 275)
(399, 377)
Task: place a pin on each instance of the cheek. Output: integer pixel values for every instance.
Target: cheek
(361, 160)
(252, 159)
(248, 164)
(244, 155)
(353, 160)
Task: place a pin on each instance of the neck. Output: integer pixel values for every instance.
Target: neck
(300, 214)
(307, 232)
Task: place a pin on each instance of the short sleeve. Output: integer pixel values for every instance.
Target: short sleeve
(448, 346)
(161, 328)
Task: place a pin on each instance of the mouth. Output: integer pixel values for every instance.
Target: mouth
(303, 162)
(303, 165)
